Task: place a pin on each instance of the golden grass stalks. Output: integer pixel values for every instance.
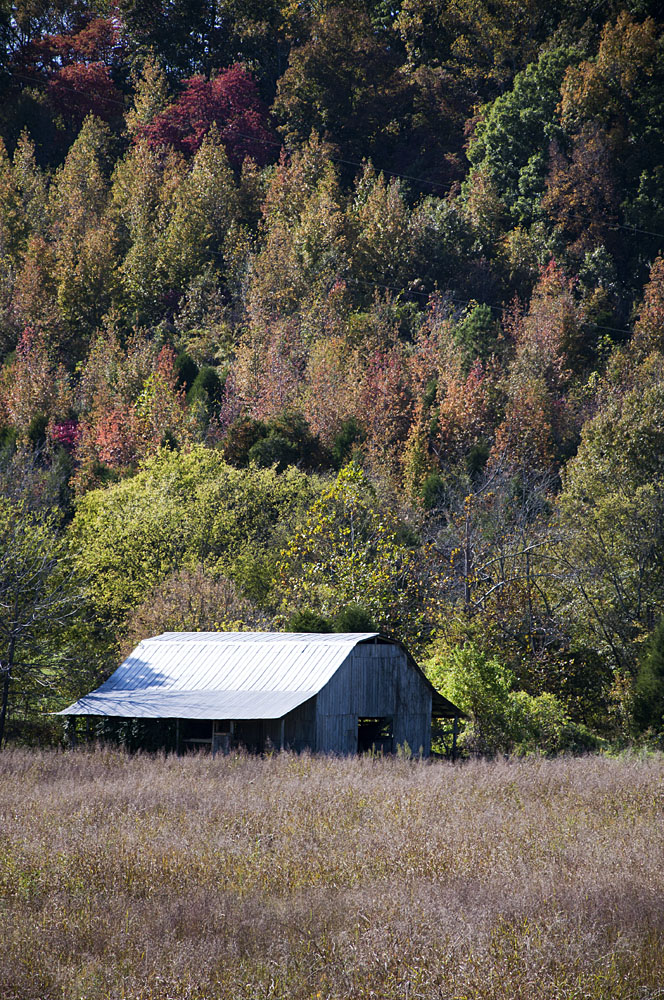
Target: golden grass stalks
(304, 877)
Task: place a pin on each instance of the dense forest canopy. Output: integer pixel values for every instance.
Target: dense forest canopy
(339, 315)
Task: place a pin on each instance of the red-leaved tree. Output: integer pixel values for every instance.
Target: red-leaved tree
(77, 68)
(231, 100)
(80, 89)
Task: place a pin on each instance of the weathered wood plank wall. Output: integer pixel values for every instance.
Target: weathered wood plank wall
(300, 726)
(375, 681)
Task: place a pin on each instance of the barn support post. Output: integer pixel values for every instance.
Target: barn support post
(177, 737)
(282, 728)
(455, 730)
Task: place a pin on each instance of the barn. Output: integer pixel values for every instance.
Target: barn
(330, 693)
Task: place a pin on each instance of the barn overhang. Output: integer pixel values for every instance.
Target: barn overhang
(441, 708)
(155, 703)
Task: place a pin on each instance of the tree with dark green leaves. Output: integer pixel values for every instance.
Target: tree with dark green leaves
(649, 684)
(512, 139)
(344, 83)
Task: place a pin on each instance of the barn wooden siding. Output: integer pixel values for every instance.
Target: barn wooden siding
(299, 730)
(376, 680)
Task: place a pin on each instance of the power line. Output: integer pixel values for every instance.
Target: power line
(63, 86)
(634, 229)
(275, 143)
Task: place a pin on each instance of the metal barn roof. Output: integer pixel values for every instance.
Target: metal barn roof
(221, 675)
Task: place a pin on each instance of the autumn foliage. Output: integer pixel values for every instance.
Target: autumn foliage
(397, 264)
(231, 102)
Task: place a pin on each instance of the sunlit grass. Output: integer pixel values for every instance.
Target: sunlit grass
(303, 877)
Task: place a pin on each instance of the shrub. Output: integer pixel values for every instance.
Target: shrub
(307, 620)
(541, 725)
(354, 618)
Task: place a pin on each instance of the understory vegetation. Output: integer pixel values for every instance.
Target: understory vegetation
(133, 877)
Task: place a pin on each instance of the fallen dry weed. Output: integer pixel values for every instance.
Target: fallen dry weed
(301, 877)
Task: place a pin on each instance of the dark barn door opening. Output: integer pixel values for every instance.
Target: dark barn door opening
(375, 734)
(195, 735)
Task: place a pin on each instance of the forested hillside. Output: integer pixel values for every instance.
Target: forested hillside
(338, 315)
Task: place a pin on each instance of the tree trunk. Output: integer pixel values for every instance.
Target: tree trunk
(5, 688)
(5, 699)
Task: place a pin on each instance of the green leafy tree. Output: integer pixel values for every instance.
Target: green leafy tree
(13, 228)
(83, 237)
(79, 194)
(611, 110)
(344, 83)
(443, 241)
(144, 189)
(151, 96)
(309, 621)
(179, 510)
(479, 684)
(541, 724)
(305, 236)
(189, 36)
(178, 32)
(476, 335)
(205, 206)
(32, 186)
(380, 221)
(502, 719)
(347, 552)
(611, 519)
(39, 596)
(512, 139)
(649, 684)
(480, 42)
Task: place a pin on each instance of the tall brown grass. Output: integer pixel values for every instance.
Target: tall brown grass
(302, 877)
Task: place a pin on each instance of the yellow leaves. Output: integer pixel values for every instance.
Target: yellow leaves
(625, 61)
(347, 552)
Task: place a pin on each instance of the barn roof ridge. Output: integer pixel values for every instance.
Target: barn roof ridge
(226, 638)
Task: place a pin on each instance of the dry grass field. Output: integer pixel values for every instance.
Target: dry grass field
(301, 877)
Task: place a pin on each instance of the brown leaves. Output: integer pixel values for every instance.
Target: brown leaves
(582, 191)
(35, 384)
(649, 329)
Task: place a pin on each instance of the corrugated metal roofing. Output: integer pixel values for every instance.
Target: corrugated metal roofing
(220, 675)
